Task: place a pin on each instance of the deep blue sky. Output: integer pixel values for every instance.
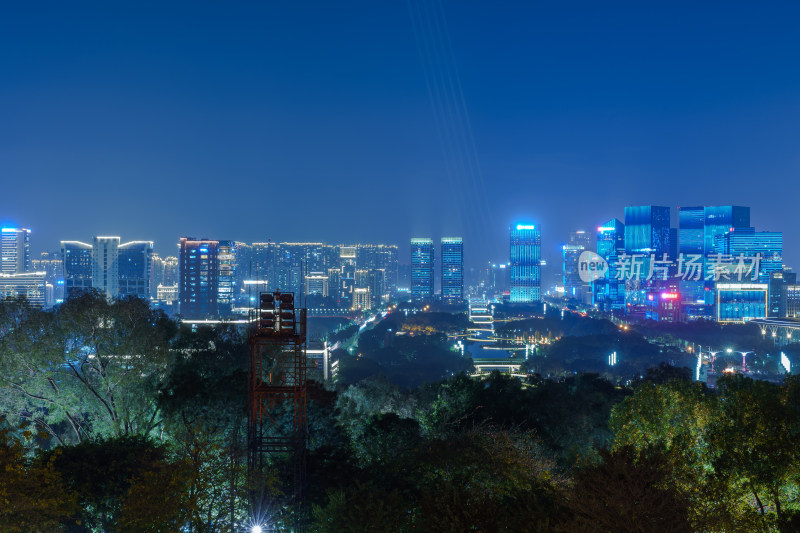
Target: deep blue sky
(314, 121)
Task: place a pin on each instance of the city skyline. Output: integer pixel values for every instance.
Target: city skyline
(328, 110)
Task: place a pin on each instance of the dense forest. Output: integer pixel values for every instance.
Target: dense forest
(116, 418)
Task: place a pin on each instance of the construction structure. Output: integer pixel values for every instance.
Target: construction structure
(277, 430)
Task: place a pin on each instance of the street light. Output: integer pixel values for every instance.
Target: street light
(713, 358)
(255, 529)
(744, 357)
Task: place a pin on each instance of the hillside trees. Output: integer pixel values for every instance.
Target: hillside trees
(90, 367)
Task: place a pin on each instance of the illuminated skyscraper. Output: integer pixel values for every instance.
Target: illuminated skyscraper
(574, 287)
(610, 239)
(77, 260)
(135, 268)
(422, 268)
(105, 265)
(767, 246)
(198, 278)
(15, 250)
(226, 281)
(452, 270)
(609, 292)
(691, 228)
(722, 219)
(647, 230)
(525, 263)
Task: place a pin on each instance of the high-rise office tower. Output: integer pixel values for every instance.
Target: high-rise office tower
(609, 292)
(199, 278)
(647, 230)
(691, 230)
(722, 219)
(762, 247)
(698, 228)
(610, 239)
(226, 279)
(15, 250)
(779, 284)
(77, 261)
(452, 270)
(105, 265)
(525, 263)
(574, 287)
(422, 277)
(135, 268)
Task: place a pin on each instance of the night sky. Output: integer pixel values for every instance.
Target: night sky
(378, 121)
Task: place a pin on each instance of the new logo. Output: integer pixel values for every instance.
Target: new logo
(591, 266)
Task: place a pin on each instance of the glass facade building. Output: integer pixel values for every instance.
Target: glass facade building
(574, 287)
(718, 220)
(452, 270)
(105, 265)
(767, 246)
(647, 230)
(610, 239)
(76, 258)
(198, 278)
(691, 230)
(525, 263)
(741, 302)
(15, 250)
(135, 266)
(422, 277)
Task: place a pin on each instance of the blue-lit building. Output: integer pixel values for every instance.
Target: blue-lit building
(525, 263)
(574, 287)
(698, 228)
(647, 230)
(135, 268)
(610, 239)
(647, 234)
(741, 302)
(609, 293)
(198, 278)
(15, 250)
(691, 230)
(452, 270)
(767, 246)
(422, 277)
(719, 220)
(77, 261)
(691, 242)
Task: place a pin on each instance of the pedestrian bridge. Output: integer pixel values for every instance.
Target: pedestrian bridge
(780, 329)
(485, 366)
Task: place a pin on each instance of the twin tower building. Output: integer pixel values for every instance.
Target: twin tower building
(452, 270)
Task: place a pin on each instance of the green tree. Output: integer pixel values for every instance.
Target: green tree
(88, 368)
(204, 404)
(756, 442)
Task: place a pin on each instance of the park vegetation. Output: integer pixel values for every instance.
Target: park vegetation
(116, 419)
